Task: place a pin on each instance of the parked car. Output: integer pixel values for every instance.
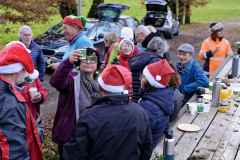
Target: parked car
(110, 19)
(160, 16)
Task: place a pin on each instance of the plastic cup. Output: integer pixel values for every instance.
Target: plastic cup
(33, 91)
(210, 86)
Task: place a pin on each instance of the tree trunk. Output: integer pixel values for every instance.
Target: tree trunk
(93, 10)
(188, 13)
(177, 8)
(67, 7)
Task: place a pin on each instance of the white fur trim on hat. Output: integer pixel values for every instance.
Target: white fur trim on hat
(34, 75)
(110, 88)
(151, 79)
(158, 77)
(19, 42)
(11, 68)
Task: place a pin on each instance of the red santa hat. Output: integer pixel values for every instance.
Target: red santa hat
(115, 79)
(158, 74)
(15, 57)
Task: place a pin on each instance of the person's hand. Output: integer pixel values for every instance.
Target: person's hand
(74, 57)
(209, 54)
(36, 98)
(53, 66)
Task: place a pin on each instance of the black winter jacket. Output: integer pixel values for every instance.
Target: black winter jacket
(112, 129)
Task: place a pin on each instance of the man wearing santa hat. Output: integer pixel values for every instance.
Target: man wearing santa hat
(19, 138)
(114, 127)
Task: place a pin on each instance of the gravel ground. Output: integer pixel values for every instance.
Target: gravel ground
(194, 34)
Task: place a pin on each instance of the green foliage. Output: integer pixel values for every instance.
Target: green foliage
(9, 31)
(217, 10)
(27, 10)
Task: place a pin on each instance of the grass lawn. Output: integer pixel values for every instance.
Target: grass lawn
(216, 10)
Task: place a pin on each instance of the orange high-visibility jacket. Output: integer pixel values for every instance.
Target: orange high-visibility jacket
(221, 49)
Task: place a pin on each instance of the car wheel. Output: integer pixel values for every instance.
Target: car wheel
(176, 33)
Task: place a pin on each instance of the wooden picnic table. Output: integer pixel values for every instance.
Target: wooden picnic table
(218, 139)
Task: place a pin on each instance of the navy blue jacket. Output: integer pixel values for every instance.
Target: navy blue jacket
(159, 104)
(38, 59)
(137, 64)
(112, 129)
(13, 139)
(192, 77)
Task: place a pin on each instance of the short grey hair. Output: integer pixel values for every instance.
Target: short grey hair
(142, 29)
(157, 44)
(25, 29)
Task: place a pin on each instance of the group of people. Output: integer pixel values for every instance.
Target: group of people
(118, 108)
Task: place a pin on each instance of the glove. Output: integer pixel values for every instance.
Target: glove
(209, 54)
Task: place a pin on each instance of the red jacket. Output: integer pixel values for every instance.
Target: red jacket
(123, 59)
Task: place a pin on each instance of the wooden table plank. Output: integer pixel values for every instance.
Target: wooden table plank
(229, 144)
(211, 140)
(188, 141)
(185, 118)
(238, 156)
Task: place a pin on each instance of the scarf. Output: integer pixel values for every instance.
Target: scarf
(85, 83)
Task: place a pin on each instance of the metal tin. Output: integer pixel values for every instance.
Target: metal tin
(235, 66)
(216, 93)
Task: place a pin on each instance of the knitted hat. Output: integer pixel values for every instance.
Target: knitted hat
(15, 57)
(128, 42)
(159, 73)
(127, 33)
(115, 79)
(215, 26)
(79, 21)
(186, 48)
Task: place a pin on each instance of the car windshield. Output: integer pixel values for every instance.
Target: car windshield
(108, 13)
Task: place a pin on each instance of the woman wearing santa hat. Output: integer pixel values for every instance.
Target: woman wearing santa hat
(158, 83)
(113, 127)
(19, 138)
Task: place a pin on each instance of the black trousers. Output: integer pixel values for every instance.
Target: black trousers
(60, 151)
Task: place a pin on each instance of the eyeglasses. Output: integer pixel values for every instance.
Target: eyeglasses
(89, 59)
